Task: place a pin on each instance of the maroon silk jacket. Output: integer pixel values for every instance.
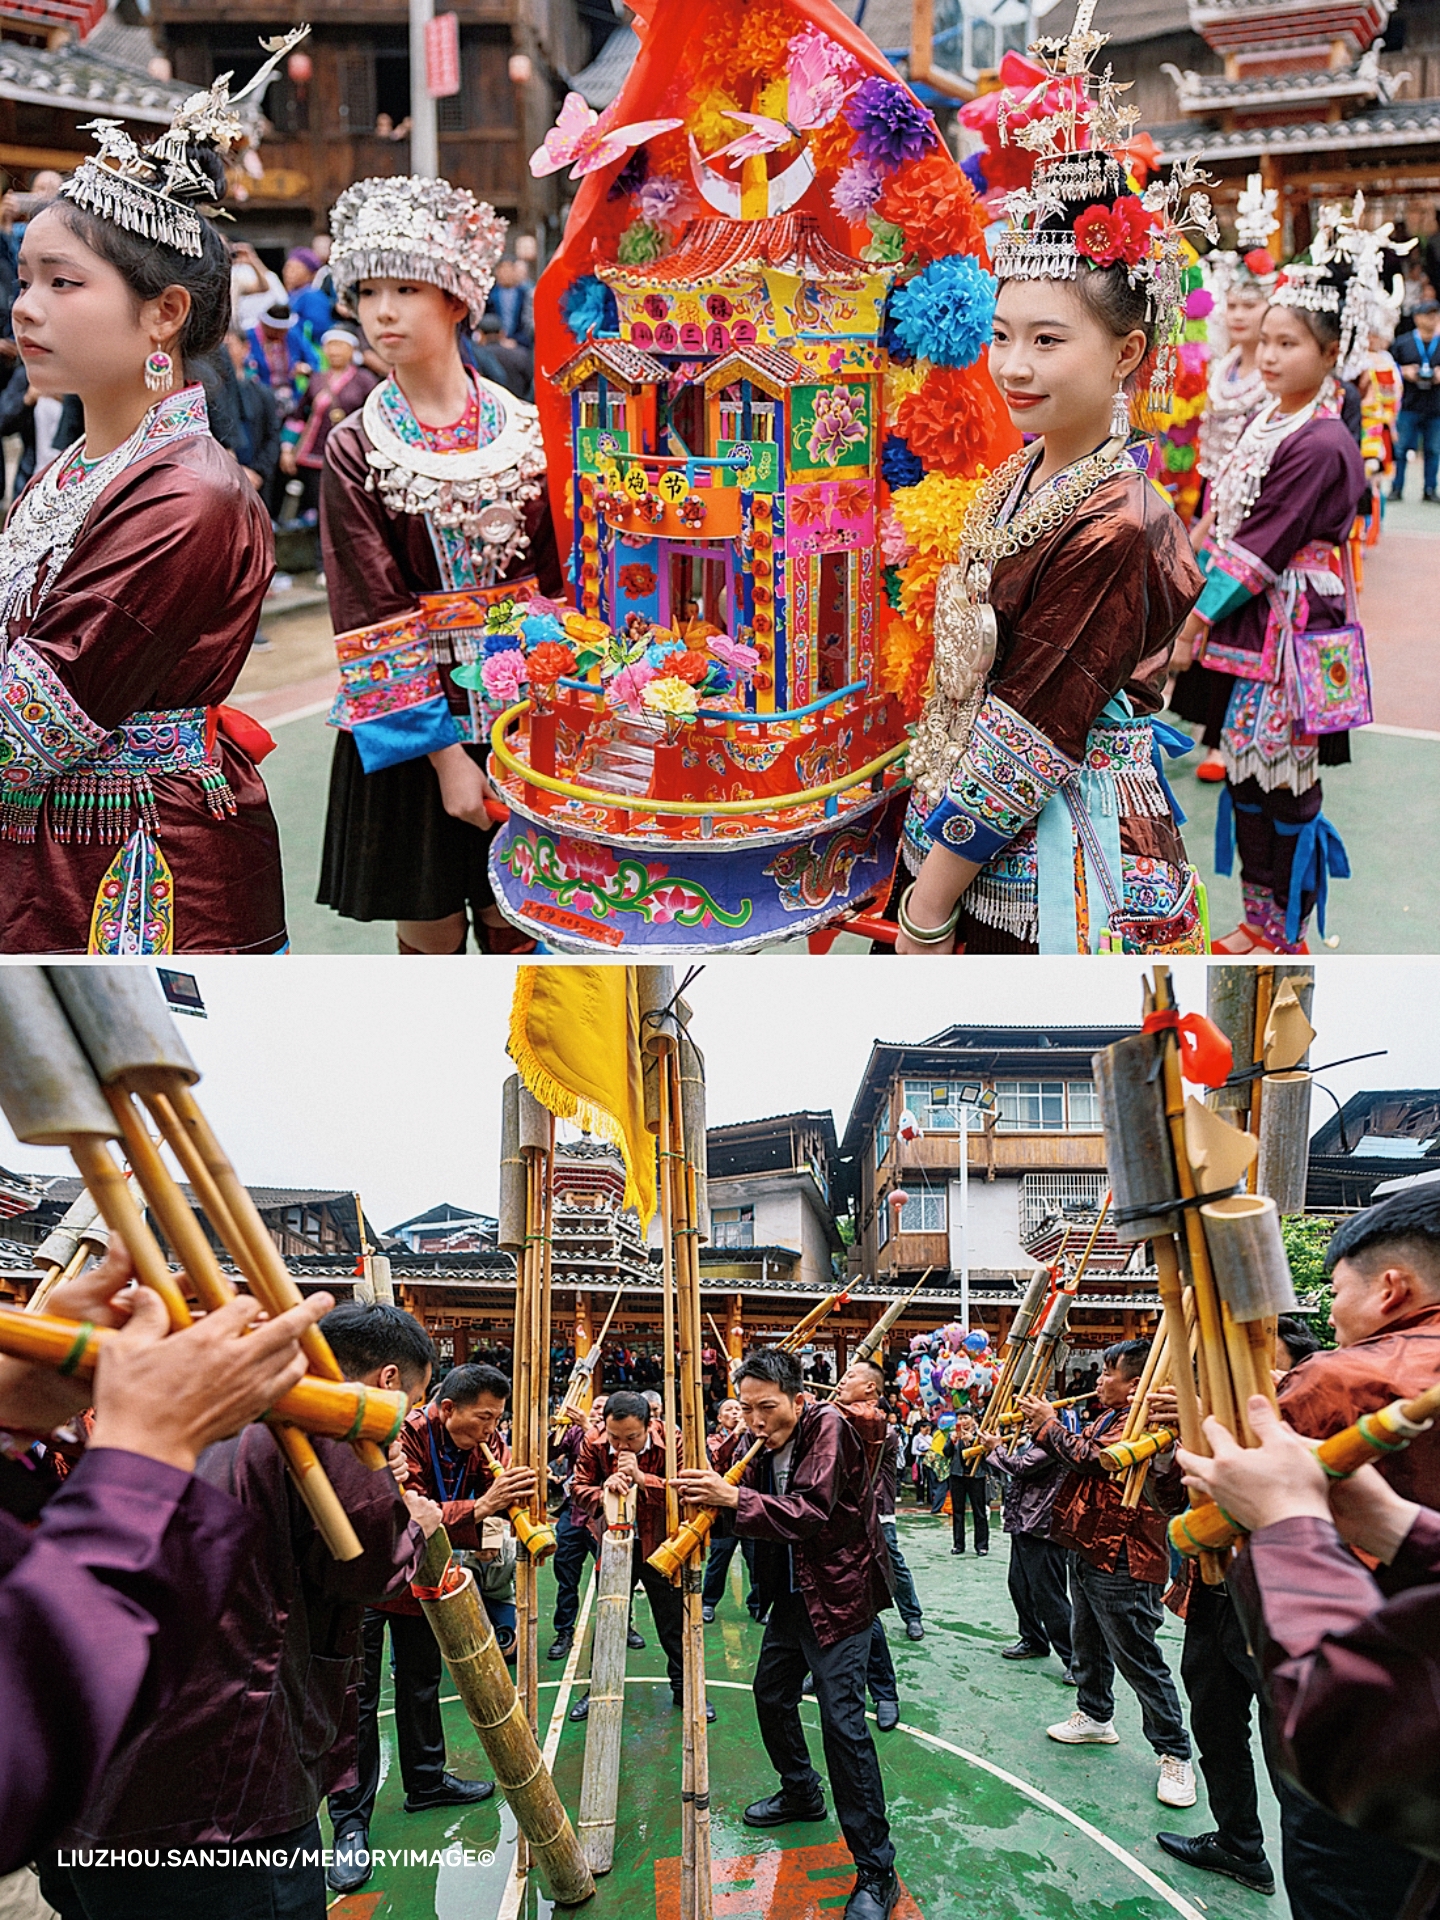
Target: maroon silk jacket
(594, 1465)
(1088, 1516)
(155, 610)
(828, 1518)
(104, 1606)
(264, 1727)
(1353, 1677)
(457, 1516)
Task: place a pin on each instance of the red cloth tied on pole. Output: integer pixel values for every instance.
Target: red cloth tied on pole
(1206, 1057)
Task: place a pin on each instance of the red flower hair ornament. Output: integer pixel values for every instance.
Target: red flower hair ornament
(1117, 235)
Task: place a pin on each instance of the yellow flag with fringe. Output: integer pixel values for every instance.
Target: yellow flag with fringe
(575, 1041)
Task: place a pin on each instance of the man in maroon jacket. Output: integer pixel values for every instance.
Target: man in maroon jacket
(821, 1566)
(1118, 1570)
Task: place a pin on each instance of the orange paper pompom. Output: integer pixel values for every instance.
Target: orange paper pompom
(934, 206)
(955, 422)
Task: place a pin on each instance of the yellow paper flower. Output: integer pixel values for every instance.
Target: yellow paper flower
(901, 382)
(932, 515)
(666, 694)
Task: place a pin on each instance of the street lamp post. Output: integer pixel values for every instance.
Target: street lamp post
(979, 1100)
(424, 124)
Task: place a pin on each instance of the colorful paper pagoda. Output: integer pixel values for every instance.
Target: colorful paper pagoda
(762, 418)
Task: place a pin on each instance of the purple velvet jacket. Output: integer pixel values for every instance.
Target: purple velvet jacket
(1353, 1677)
(829, 1521)
(264, 1727)
(104, 1606)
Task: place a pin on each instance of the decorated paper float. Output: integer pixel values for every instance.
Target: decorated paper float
(755, 346)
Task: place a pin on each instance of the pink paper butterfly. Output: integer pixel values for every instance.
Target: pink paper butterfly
(581, 136)
(815, 94)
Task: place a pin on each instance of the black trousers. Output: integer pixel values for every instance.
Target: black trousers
(1113, 1622)
(717, 1569)
(971, 1487)
(879, 1667)
(419, 1731)
(669, 1610)
(788, 1652)
(574, 1544)
(1038, 1592)
(1221, 1681)
(196, 1893)
(1334, 1873)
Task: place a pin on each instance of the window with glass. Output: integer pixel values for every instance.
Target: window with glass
(935, 1104)
(882, 1136)
(732, 1226)
(924, 1210)
(1046, 1106)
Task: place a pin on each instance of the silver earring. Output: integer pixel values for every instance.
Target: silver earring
(159, 371)
(1120, 416)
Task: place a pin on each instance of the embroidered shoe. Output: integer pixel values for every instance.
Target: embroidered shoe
(1176, 1785)
(1081, 1731)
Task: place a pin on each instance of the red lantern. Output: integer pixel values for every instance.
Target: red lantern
(300, 68)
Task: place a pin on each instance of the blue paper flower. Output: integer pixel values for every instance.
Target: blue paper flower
(900, 467)
(891, 127)
(719, 679)
(588, 307)
(500, 643)
(945, 313)
(541, 626)
(655, 653)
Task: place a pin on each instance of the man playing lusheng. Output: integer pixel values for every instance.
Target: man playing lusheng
(820, 1564)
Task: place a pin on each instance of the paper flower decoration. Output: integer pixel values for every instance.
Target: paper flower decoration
(503, 675)
(626, 687)
(588, 307)
(945, 313)
(689, 666)
(899, 466)
(856, 190)
(660, 200)
(668, 695)
(640, 244)
(500, 643)
(549, 662)
(891, 127)
(954, 422)
(934, 206)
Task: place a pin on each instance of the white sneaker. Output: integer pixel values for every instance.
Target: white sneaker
(1176, 1786)
(1081, 1731)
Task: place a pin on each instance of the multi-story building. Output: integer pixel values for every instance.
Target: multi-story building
(1375, 1139)
(1006, 1172)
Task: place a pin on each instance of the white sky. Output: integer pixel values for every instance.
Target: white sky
(384, 1074)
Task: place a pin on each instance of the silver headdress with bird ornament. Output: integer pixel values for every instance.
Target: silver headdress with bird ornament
(1342, 276)
(161, 191)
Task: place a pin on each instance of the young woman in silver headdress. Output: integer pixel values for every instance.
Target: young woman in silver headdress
(436, 484)
(132, 817)
(1038, 818)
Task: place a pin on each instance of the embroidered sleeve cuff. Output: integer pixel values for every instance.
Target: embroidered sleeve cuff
(1006, 777)
(1234, 576)
(390, 693)
(42, 730)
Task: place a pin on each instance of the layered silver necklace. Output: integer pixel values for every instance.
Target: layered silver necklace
(1232, 400)
(1238, 486)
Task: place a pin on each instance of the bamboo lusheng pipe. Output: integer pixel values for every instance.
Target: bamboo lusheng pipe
(600, 1781)
(333, 1409)
(67, 1247)
(226, 1201)
(538, 1539)
(1013, 1417)
(1374, 1436)
(569, 1410)
(1125, 1454)
(875, 1338)
(466, 1638)
(690, 1536)
(800, 1333)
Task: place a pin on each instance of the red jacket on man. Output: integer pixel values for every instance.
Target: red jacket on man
(594, 1465)
(1088, 1515)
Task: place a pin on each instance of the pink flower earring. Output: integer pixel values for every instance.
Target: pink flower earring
(159, 371)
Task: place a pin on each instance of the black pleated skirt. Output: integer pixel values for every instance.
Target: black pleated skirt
(391, 851)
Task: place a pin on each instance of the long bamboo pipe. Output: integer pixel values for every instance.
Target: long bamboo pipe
(333, 1409)
(537, 1538)
(690, 1536)
(1207, 1528)
(583, 1370)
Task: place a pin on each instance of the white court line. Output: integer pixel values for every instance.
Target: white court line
(324, 706)
(513, 1897)
(1402, 733)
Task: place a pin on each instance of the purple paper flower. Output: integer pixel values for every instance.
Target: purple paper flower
(857, 189)
(891, 127)
(658, 200)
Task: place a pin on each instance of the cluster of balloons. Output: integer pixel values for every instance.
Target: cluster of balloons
(947, 1373)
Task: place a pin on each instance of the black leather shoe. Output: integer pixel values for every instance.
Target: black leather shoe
(778, 1811)
(957, 1550)
(679, 1700)
(450, 1793)
(873, 1899)
(707, 1613)
(635, 1641)
(914, 1630)
(1204, 1850)
(351, 1866)
(581, 1709)
(1022, 1650)
(982, 1553)
(561, 1649)
(887, 1715)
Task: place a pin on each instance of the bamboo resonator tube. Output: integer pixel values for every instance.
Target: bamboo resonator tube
(1208, 1528)
(600, 1781)
(538, 1539)
(690, 1536)
(447, 1595)
(333, 1409)
(1125, 1454)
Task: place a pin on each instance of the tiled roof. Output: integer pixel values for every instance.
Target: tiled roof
(94, 83)
(772, 367)
(1405, 123)
(729, 250)
(1212, 92)
(615, 357)
(600, 82)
